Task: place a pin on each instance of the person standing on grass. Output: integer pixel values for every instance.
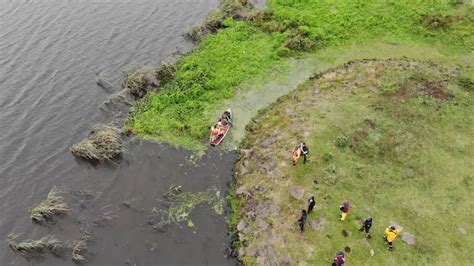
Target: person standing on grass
(366, 225)
(296, 155)
(339, 259)
(311, 203)
(302, 220)
(344, 207)
(391, 234)
(304, 150)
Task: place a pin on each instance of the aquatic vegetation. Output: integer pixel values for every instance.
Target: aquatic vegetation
(36, 248)
(215, 20)
(45, 211)
(79, 247)
(104, 144)
(181, 206)
(242, 48)
(138, 81)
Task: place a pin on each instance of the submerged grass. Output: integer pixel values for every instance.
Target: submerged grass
(240, 50)
(36, 248)
(54, 205)
(79, 247)
(391, 136)
(182, 204)
(105, 144)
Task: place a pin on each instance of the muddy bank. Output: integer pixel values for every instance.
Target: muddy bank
(271, 192)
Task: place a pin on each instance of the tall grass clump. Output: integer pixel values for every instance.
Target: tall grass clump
(105, 144)
(36, 248)
(138, 81)
(234, 9)
(45, 211)
(79, 247)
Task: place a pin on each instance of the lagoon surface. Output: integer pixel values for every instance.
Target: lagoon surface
(50, 52)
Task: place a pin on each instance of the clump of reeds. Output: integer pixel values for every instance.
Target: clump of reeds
(236, 9)
(138, 81)
(36, 248)
(79, 247)
(165, 72)
(47, 209)
(104, 144)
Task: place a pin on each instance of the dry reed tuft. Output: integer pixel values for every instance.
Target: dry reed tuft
(47, 209)
(36, 248)
(138, 81)
(79, 247)
(102, 145)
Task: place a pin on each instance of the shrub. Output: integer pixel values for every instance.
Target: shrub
(331, 169)
(327, 157)
(137, 81)
(300, 40)
(465, 83)
(437, 21)
(342, 141)
(165, 73)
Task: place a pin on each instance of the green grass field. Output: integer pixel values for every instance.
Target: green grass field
(395, 138)
(205, 78)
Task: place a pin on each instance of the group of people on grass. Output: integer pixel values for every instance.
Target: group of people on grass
(391, 232)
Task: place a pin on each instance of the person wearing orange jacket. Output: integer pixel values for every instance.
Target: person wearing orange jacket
(391, 234)
(296, 155)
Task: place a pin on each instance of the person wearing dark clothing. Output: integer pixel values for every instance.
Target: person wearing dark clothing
(302, 220)
(339, 259)
(304, 151)
(311, 203)
(366, 226)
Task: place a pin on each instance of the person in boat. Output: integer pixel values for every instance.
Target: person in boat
(304, 150)
(296, 155)
(215, 131)
(225, 118)
(302, 220)
(366, 225)
(344, 210)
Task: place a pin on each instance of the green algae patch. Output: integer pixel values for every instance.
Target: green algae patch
(391, 136)
(181, 204)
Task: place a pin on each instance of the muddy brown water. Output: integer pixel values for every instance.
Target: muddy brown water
(50, 51)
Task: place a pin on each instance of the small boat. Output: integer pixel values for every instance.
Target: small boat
(224, 124)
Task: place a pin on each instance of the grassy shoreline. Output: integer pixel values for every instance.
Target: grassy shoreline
(407, 162)
(240, 50)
